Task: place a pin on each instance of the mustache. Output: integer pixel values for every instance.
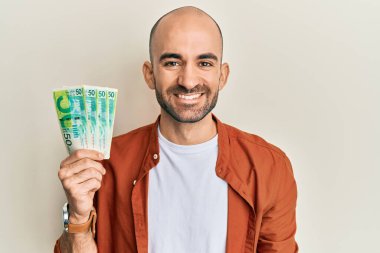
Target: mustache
(183, 90)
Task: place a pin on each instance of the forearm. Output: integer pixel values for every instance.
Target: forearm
(77, 243)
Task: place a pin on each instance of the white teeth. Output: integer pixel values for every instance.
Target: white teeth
(188, 97)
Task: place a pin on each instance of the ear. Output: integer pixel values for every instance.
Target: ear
(147, 69)
(225, 72)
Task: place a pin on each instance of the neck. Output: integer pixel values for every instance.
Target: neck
(187, 133)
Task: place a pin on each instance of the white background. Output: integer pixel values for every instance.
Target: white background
(304, 76)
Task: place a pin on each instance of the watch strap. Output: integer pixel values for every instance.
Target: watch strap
(84, 227)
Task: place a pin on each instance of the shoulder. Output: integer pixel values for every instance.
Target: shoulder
(137, 135)
(267, 160)
(254, 141)
(132, 144)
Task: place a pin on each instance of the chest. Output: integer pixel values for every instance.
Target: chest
(187, 205)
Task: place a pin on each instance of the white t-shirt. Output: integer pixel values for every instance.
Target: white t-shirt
(187, 201)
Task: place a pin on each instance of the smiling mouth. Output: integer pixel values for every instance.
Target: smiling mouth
(189, 96)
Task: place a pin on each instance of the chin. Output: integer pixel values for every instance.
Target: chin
(188, 117)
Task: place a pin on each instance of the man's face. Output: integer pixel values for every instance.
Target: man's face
(187, 68)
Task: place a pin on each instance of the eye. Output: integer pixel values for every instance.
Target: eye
(205, 64)
(171, 64)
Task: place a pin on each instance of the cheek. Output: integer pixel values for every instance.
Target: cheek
(213, 82)
(165, 79)
(212, 76)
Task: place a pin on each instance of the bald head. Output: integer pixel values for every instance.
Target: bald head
(183, 17)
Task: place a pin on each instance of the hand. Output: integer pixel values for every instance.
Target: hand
(81, 176)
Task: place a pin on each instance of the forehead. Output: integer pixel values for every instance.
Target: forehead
(189, 35)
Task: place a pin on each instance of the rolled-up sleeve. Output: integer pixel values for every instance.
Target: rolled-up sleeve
(278, 228)
(57, 248)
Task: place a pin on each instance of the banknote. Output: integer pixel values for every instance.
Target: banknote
(90, 98)
(102, 112)
(112, 98)
(70, 109)
(86, 117)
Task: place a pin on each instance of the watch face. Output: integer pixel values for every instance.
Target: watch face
(65, 216)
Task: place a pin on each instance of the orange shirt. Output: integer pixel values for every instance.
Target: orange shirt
(262, 193)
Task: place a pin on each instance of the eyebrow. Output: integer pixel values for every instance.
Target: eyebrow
(208, 56)
(170, 55)
(179, 57)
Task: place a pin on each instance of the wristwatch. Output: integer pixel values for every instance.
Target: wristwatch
(78, 228)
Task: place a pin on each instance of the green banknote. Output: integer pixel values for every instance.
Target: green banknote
(102, 126)
(90, 98)
(111, 98)
(71, 114)
(86, 117)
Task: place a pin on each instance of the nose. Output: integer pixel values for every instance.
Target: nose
(188, 77)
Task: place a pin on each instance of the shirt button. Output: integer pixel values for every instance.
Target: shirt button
(155, 156)
(134, 182)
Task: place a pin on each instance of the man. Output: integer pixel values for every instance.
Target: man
(188, 182)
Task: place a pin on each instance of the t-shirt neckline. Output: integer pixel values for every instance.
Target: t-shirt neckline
(196, 148)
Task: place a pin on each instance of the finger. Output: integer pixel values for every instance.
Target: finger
(82, 153)
(73, 184)
(91, 185)
(85, 175)
(78, 166)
